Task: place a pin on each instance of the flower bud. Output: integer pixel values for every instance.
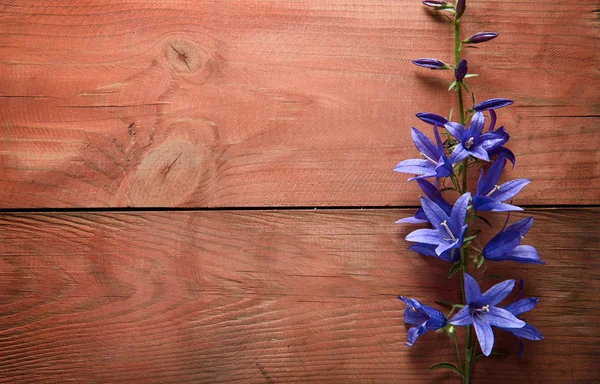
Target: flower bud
(431, 63)
(460, 8)
(435, 4)
(492, 104)
(461, 71)
(481, 37)
(431, 118)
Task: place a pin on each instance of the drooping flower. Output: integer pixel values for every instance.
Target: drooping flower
(461, 70)
(490, 195)
(499, 148)
(518, 307)
(423, 317)
(496, 103)
(448, 230)
(505, 245)
(481, 37)
(431, 63)
(472, 141)
(481, 310)
(434, 195)
(435, 163)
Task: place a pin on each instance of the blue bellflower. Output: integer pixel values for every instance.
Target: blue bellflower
(423, 317)
(505, 245)
(490, 195)
(518, 307)
(435, 163)
(434, 195)
(482, 311)
(498, 148)
(472, 141)
(448, 230)
(461, 70)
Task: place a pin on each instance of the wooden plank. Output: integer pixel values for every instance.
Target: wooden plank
(277, 103)
(268, 296)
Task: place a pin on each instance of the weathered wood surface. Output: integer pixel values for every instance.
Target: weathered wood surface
(267, 296)
(277, 103)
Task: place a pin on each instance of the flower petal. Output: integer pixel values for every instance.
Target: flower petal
(485, 204)
(492, 104)
(429, 250)
(459, 154)
(479, 152)
(424, 144)
(509, 189)
(497, 293)
(434, 195)
(427, 236)
(414, 333)
(477, 124)
(459, 213)
(456, 130)
(525, 254)
(487, 183)
(523, 305)
(522, 226)
(472, 290)
(485, 335)
(528, 332)
(415, 167)
(502, 318)
(434, 213)
(411, 220)
(463, 317)
(501, 244)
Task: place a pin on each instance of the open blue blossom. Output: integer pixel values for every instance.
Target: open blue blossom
(448, 230)
(490, 195)
(472, 141)
(435, 163)
(518, 307)
(505, 245)
(434, 195)
(481, 310)
(423, 317)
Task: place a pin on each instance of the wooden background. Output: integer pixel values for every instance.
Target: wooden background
(202, 191)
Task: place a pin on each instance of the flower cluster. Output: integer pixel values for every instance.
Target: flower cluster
(447, 151)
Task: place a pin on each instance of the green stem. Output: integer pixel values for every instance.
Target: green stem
(457, 47)
(455, 339)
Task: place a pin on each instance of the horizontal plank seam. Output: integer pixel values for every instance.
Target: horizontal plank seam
(265, 208)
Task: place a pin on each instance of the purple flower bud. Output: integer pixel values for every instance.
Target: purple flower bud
(431, 118)
(461, 71)
(492, 104)
(481, 37)
(431, 63)
(436, 4)
(460, 8)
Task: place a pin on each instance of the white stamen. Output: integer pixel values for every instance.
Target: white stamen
(428, 158)
(496, 188)
(445, 225)
(485, 308)
(469, 143)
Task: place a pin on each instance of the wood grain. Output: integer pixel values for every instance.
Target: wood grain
(277, 103)
(268, 296)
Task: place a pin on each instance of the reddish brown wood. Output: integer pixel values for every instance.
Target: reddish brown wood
(277, 103)
(267, 296)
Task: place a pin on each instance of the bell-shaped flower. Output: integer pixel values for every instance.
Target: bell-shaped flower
(518, 307)
(448, 230)
(505, 245)
(423, 317)
(482, 311)
(435, 163)
(490, 195)
(472, 141)
(434, 195)
(498, 148)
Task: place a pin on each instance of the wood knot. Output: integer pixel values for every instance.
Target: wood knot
(187, 58)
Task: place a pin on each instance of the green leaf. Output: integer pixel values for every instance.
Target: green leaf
(469, 75)
(450, 116)
(465, 87)
(480, 261)
(484, 220)
(452, 86)
(455, 268)
(469, 238)
(445, 366)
